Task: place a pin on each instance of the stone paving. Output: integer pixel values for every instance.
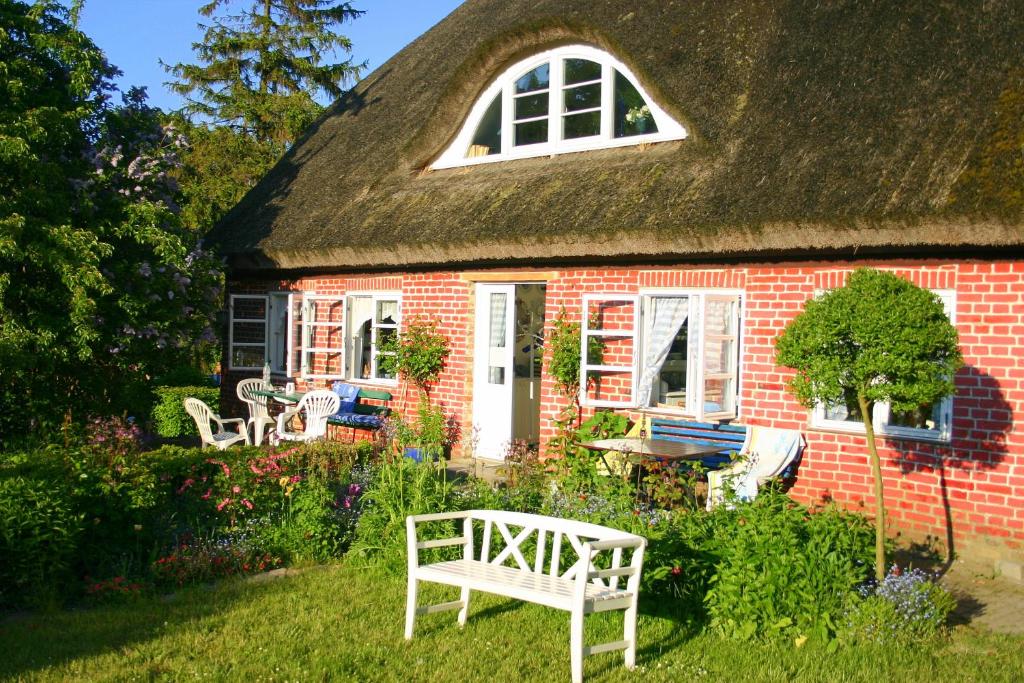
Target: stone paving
(985, 600)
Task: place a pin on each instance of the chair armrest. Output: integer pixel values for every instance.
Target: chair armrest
(221, 422)
(283, 417)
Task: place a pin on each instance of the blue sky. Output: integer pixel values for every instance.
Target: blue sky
(135, 34)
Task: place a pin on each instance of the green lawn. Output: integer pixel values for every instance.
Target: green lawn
(343, 623)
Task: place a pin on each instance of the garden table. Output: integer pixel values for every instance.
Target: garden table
(280, 396)
(640, 449)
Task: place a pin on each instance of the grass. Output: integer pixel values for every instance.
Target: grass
(341, 622)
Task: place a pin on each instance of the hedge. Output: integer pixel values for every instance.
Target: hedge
(169, 416)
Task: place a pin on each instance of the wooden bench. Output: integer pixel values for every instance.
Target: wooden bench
(364, 415)
(580, 589)
(729, 437)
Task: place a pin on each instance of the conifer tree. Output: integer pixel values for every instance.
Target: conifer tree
(262, 65)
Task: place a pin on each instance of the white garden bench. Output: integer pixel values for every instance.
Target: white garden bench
(581, 589)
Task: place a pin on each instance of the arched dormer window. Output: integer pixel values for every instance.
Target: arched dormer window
(567, 99)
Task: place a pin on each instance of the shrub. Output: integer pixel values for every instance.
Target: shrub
(169, 416)
(39, 533)
(783, 567)
(398, 489)
(906, 607)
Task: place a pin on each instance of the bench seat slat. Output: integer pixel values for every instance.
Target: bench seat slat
(542, 589)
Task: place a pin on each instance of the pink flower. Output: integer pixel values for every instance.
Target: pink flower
(185, 485)
(354, 489)
(255, 470)
(295, 479)
(347, 502)
(221, 505)
(246, 503)
(236, 489)
(206, 495)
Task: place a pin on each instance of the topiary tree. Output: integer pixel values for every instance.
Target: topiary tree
(878, 339)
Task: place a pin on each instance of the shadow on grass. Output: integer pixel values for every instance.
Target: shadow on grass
(34, 641)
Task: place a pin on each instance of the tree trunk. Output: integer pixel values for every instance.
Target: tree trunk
(876, 471)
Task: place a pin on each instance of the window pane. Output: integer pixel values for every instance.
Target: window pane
(384, 334)
(534, 80)
(583, 97)
(360, 335)
(387, 312)
(531, 133)
(670, 390)
(249, 309)
(717, 356)
(496, 339)
(247, 357)
(582, 125)
(488, 135)
(719, 315)
(249, 333)
(718, 395)
(847, 410)
(529, 106)
(611, 386)
(581, 70)
(927, 416)
(632, 115)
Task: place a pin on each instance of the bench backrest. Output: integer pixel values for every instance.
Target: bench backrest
(381, 397)
(551, 537)
(729, 437)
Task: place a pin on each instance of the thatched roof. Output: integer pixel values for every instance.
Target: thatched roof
(816, 127)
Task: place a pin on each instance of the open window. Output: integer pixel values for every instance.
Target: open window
(609, 350)
(323, 336)
(568, 99)
(372, 320)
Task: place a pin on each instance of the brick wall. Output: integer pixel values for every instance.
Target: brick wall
(973, 486)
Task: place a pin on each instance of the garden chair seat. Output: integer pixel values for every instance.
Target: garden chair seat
(205, 417)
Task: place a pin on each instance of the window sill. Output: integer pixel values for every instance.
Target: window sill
(887, 436)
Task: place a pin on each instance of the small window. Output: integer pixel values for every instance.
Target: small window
(928, 422)
(568, 99)
(372, 319)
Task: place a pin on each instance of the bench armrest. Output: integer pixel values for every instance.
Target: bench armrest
(437, 516)
(612, 544)
(413, 546)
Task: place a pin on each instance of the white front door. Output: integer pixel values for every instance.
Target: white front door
(493, 370)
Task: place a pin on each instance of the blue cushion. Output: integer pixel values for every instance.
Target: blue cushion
(357, 420)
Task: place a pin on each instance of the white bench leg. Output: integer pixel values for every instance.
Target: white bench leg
(410, 607)
(464, 612)
(576, 645)
(629, 635)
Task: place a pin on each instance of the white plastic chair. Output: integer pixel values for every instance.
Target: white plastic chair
(766, 452)
(204, 417)
(317, 406)
(259, 412)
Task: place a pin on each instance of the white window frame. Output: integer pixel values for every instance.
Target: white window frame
(504, 85)
(374, 327)
(587, 332)
(231, 330)
(309, 333)
(881, 411)
(695, 376)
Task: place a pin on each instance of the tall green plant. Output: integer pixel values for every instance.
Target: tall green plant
(879, 338)
(418, 354)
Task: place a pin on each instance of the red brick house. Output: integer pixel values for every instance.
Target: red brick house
(693, 172)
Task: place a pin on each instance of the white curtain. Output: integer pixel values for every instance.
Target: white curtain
(669, 316)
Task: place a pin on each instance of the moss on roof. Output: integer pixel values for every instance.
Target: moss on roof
(817, 126)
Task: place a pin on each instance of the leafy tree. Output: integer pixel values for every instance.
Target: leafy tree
(100, 287)
(879, 338)
(262, 67)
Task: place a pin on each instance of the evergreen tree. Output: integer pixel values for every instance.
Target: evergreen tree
(262, 67)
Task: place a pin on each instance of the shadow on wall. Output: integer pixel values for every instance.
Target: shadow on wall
(982, 418)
